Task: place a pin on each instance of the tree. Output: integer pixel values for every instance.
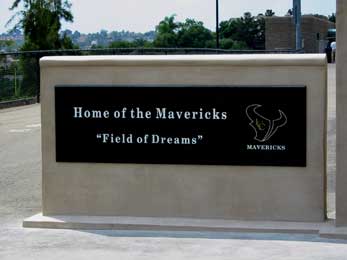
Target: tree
(41, 22)
(121, 44)
(248, 29)
(188, 34)
(166, 33)
(332, 18)
(138, 43)
(193, 34)
(229, 44)
(269, 13)
(142, 43)
(6, 45)
(289, 12)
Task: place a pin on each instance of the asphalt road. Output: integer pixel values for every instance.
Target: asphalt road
(20, 197)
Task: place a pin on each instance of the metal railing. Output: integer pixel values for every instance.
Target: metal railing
(20, 71)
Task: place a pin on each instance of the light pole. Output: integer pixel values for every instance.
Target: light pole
(217, 24)
(297, 22)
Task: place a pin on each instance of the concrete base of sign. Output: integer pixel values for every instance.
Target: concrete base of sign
(325, 229)
(331, 231)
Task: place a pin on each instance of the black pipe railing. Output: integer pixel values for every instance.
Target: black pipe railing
(20, 71)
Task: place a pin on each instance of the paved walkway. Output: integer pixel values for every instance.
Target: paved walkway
(20, 197)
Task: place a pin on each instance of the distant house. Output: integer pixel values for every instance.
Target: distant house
(280, 33)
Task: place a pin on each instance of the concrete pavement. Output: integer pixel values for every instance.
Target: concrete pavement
(20, 157)
(20, 197)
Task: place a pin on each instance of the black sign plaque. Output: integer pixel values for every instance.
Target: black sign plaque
(208, 125)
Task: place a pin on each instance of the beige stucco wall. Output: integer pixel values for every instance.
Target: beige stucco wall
(341, 110)
(280, 32)
(228, 192)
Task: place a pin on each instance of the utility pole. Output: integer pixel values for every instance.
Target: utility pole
(217, 24)
(297, 22)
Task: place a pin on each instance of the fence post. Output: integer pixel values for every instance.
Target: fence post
(38, 77)
(15, 82)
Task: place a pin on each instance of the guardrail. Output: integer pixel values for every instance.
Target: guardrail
(20, 71)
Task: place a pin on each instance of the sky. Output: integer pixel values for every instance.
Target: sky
(144, 15)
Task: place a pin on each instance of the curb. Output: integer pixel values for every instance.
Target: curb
(18, 102)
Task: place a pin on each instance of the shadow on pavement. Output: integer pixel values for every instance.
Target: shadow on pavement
(216, 235)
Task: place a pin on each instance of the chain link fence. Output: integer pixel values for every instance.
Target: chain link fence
(11, 79)
(20, 71)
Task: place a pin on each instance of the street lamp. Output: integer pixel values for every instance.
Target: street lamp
(217, 24)
(297, 22)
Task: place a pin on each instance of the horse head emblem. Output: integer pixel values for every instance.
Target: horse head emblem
(264, 127)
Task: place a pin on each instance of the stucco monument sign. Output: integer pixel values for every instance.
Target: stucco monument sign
(183, 142)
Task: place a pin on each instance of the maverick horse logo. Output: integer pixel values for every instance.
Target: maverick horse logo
(264, 127)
